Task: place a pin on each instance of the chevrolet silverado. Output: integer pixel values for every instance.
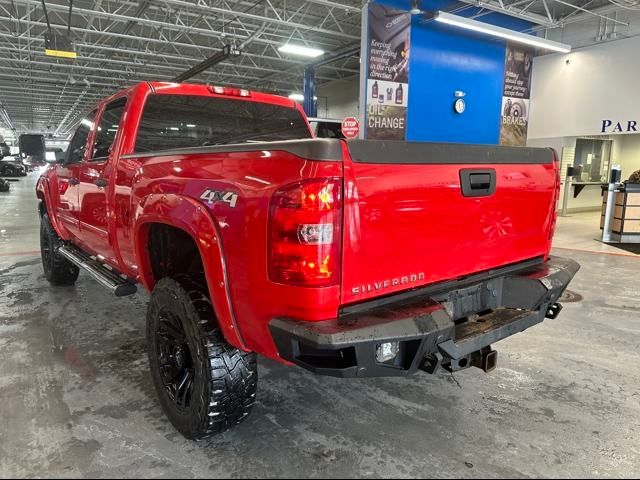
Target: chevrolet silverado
(347, 258)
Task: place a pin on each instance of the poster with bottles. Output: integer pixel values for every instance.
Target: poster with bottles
(387, 73)
(516, 94)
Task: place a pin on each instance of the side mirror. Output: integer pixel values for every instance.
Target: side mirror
(60, 157)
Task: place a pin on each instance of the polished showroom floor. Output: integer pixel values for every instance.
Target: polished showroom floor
(76, 398)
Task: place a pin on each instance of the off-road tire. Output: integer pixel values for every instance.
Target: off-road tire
(224, 378)
(57, 269)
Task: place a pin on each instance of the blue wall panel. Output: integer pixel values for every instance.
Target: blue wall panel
(441, 63)
(445, 59)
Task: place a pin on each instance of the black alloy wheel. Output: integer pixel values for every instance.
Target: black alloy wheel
(205, 385)
(57, 269)
(175, 360)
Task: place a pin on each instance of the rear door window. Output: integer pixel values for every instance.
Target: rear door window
(78, 143)
(183, 121)
(108, 128)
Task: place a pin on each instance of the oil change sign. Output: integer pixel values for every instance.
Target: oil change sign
(387, 73)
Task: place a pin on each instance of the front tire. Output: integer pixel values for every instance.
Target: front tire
(205, 386)
(57, 269)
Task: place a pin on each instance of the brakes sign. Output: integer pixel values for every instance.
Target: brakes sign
(350, 127)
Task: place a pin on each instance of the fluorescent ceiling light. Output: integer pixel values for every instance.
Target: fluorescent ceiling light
(300, 50)
(489, 29)
(298, 97)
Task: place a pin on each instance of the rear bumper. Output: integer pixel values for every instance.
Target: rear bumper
(427, 327)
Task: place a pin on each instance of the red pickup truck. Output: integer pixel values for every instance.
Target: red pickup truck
(351, 259)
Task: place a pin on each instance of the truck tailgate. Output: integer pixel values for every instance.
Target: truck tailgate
(420, 213)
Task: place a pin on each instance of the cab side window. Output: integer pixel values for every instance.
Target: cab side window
(78, 143)
(108, 128)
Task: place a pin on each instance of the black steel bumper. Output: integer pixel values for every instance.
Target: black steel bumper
(452, 326)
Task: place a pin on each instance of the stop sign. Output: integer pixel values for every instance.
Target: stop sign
(350, 127)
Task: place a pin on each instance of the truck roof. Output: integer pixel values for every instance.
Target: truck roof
(171, 88)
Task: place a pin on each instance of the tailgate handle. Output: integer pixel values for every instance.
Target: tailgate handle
(478, 183)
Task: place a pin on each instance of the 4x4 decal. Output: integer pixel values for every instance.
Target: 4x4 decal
(213, 196)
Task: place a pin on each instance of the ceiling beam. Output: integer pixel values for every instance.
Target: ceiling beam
(593, 12)
(269, 58)
(496, 6)
(122, 18)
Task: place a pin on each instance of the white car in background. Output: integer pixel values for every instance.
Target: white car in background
(326, 127)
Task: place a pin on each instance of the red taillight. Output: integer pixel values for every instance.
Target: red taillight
(304, 233)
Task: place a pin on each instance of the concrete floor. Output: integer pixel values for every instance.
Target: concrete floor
(76, 398)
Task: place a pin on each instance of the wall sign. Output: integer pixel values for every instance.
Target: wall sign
(350, 127)
(516, 94)
(611, 126)
(387, 73)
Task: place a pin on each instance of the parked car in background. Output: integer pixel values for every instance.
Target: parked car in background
(12, 167)
(32, 164)
(5, 151)
(50, 154)
(326, 128)
(33, 145)
(28, 166)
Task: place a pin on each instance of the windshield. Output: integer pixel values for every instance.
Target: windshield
(183, 121)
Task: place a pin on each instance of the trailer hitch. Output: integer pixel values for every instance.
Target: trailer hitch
(433, 361)
(485, 359)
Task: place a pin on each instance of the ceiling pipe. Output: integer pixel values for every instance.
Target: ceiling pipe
(227, 52)
(590, 12)
(159, 41)
(6, 118)
(496, 7)
(139, 75)
(71, 110)
(208, 32)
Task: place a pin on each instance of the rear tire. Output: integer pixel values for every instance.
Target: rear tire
(205, 386)
(57, 269)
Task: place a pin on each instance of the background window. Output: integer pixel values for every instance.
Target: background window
(78, 143)
(108, 128)
(592, 160)
(181, 121)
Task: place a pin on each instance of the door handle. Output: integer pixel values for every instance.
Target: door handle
(74, 181)
(478, 182)
(100, 183)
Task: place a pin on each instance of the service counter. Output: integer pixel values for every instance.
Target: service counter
(625, 226)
